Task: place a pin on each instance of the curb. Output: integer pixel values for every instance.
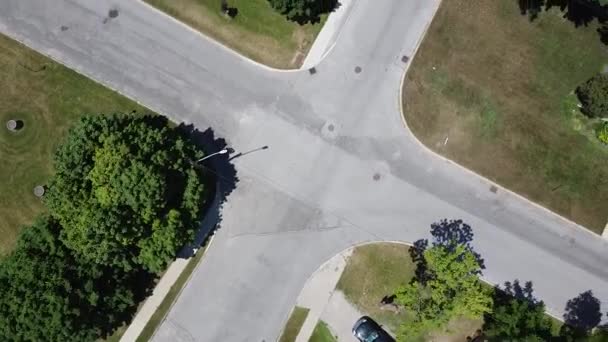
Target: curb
(179, 293)
(409, 244)
(452, 162)
(242, 56)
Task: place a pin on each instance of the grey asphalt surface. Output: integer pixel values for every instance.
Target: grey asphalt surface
(312, 193)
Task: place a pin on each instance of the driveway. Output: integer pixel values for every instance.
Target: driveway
(340, 169)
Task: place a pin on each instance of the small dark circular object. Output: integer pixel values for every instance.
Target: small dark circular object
(358, 69)
(330, 128)
(113, 13)
(376, 176)
(312, 71)
(64, 28)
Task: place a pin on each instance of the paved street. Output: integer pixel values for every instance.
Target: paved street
(340, 169)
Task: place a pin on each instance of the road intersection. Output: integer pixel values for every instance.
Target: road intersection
(340, 168)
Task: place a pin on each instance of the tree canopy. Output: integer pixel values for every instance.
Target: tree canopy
(49, 294)
(451, 289)
(126, 191)
(593, 95)
(303, 11)
(517, 315)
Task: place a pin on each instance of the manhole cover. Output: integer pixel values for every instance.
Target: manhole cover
(493, 189)
(312, 71)
(405, 59)
(113, 13)
(39, 191)
(330, 128)
(358, 69)
(64, 28)
(376, 176)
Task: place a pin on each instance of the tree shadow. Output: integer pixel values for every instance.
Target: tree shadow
(314, 11)
(449, 234)
(579, 12)
(221, 169)
(581, 316)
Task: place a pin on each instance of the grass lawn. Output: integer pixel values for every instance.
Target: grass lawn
(294, 324)
(48, 98)
(376, 270)
(257, 31)
(165, 305)
(499, 88)
(322, 333)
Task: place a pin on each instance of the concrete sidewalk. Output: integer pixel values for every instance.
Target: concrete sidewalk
(340, 315)
(326, 39)
(318, 291)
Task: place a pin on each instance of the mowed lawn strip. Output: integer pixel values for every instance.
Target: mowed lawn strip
(493, 91)
(48, 97)
(163, 309)
(376, 270)
(294, 324)
(257, 31)
(322, 333)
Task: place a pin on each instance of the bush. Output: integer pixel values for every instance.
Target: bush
(602, 133)
(593, 94)
(126, 191)
(303, 11)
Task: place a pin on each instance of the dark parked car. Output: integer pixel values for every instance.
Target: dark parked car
(367, 330)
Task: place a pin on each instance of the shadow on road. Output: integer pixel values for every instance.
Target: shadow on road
(223, 171)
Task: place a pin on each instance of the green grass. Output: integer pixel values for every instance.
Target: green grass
(165, 305)
(294, 324)
(376, 270)
(48, 98)
(372, 272)
(322, 333)
(501, 88)
(257, 31)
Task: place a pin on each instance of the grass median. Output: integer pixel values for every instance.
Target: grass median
(494, 92)
(294, 324)
(257, 31)
(163, 309)
(47, 97)
(322, 333)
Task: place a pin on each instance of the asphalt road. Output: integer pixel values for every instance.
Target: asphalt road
(340, 169)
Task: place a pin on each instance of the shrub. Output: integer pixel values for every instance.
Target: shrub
(602, 133)
(303, 11)
(593, 94)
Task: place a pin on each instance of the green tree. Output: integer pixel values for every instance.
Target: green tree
(48, 294)
(593, 94)
(303, 10)
(451, 289)
(517, 315)
(126, 191)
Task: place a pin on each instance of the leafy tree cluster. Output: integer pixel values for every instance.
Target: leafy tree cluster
(303, 11)
(446, 285)
(517, 315)
(126, 191)
(593, 95)
(125, 197)
(451, 289)
(49, 294)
